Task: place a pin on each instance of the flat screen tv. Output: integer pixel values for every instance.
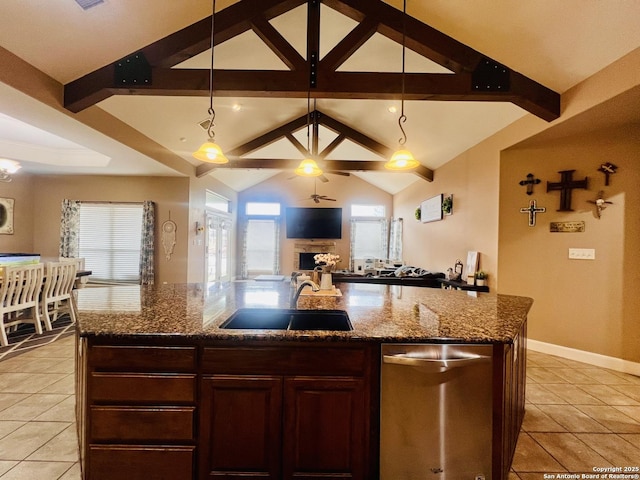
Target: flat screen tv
(314, 222)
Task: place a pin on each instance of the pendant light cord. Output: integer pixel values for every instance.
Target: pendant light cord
(403, 117)
(212, 112)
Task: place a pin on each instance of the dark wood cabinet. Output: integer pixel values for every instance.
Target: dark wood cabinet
(313, 424)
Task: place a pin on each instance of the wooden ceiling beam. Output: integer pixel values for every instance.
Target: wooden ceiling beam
(278, 44)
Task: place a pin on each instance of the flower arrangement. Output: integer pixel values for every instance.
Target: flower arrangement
(327, 260)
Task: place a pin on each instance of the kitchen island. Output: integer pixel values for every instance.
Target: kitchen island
(164, 392)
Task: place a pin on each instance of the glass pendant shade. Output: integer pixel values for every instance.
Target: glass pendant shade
(210, 152)
(9, 166)
(308, 168)
(402, 160)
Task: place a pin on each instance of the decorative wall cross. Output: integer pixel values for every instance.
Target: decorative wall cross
(600, 203)
(608, 169)
(530, 182)
(566, 186)
(533, 210)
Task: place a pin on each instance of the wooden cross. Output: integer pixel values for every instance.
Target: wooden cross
(532, 210)
(608, 169)
(530, 182)
(566, 185)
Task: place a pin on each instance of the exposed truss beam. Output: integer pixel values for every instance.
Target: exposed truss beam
(286, 131)
(372, 15)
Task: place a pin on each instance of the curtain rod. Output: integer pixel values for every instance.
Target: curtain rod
(119, 203)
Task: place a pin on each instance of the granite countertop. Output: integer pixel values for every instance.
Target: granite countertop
(384, 313)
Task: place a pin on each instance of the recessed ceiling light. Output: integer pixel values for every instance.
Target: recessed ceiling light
(236, 107)
(392, 109)
(87, 4)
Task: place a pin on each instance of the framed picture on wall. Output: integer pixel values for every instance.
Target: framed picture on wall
(6, 216)
(431, 209)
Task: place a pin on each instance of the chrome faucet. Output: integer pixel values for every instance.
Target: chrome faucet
(294, 299)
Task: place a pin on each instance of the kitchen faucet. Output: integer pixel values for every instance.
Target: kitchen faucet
(294, 299)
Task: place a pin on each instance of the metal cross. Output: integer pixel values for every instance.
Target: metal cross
(532, 210)
(566, 185)
(530, 182)
(608, 169)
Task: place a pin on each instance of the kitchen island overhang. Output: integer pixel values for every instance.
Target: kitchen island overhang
(161, 358)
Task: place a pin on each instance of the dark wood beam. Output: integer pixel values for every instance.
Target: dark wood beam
(355, 136)
(349, 45)
(301, 148)
(332, 146)
(278, 44)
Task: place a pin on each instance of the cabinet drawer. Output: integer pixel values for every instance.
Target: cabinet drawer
(141, 358)
(140, 424)
(142, 388)
(135, 462)
(298, 360)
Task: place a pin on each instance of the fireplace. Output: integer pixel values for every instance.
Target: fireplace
(303, 253)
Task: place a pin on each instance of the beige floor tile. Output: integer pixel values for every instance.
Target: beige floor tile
(633, 412)
(61, 448)
(539, 393)
(573, 375)
(574, 455)
(27, 382)
(572, 419)
(6, 465)
(575, 395)
(612, 418)
(632, 391)
(8, 399)
(614, 448)
(544, 375)
(609, 395)
(606, 377)
(64, 411)
(531, 457)
(21, 443)
(535, 420)
(513, 476)
(32, 406)
(55, 350)
(72, 474)
(37, 470)
(544, 360)
(634, 379)
(6, 427)
(65, 386)
(41, 365)
(632, 438)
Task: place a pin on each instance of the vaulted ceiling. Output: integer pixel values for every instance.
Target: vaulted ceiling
(473, 67)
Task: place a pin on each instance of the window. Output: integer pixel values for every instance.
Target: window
(110, 239)
(261, 253)
(217, 202)
(368, 232)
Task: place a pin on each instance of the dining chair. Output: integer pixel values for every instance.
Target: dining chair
(57, 294)
(80, 281)
(19, 295)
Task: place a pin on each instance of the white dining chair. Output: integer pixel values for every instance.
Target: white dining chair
(80, 281)
(57, 294)
(19, 297)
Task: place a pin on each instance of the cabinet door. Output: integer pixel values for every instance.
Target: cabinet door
(240, 427)
(325, 428)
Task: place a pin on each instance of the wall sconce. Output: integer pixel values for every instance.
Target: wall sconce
(199, 228)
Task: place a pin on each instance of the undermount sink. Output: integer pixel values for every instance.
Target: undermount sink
(288, 319)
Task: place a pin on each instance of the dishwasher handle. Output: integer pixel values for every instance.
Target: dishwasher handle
(434, 364)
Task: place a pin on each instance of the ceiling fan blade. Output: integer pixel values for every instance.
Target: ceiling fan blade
(338, 172)
(323, 178)
(315, 199)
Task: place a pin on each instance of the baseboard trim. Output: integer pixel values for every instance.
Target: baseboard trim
(612, 363)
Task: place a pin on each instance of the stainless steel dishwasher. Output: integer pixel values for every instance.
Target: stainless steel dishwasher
(435, 412)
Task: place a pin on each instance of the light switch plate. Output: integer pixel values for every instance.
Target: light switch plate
(582, 253)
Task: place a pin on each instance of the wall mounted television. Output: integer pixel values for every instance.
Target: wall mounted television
(314, 222)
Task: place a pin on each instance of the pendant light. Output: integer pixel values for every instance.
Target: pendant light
(210, 151)
(308, 167)
(402, 159)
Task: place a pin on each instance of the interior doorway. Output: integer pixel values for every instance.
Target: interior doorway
(217, 251)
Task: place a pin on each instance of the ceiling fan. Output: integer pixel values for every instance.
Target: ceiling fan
(316, 198)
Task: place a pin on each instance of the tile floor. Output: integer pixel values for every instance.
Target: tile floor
(578, 417)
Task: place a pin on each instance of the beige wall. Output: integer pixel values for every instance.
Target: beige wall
(295, 192)
(581, 304)
(169, 193)
(22, 239)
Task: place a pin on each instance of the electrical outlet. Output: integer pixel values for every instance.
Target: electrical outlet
(582, 253)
